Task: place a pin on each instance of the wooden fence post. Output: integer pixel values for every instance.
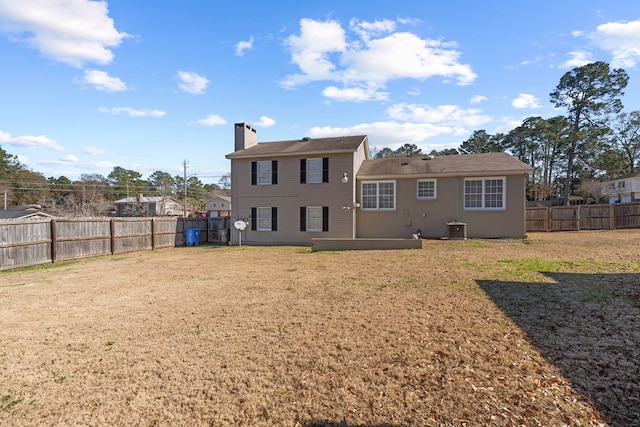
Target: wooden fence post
(612, 218)
(153, 234)
(548, 213)
(54, 231)
(112, 232)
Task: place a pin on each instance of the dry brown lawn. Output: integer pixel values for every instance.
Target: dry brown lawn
(542, 331)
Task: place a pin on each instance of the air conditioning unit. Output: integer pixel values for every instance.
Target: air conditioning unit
(457, 230)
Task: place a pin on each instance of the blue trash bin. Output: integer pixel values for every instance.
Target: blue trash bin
(191, 236)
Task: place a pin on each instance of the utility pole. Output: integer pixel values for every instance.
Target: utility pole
(184, 165)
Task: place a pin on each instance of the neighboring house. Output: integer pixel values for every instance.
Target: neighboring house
(218, 206)
(24, 212)
(292, 191)
(625, 189)
(149, 206)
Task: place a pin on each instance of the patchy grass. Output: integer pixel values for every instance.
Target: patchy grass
(477, 332)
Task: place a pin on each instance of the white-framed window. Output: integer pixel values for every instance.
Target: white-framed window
(314, 218)
(314, 171)
(484, 193)
(264, 219)
(265, 173)
(378, 195)
(426, 189)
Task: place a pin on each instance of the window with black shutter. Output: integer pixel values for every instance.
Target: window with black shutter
(325, 218)
(325, 169)
(254, 173)
(274, 172)
(274, 219)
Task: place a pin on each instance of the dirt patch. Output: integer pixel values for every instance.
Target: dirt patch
(541, 331)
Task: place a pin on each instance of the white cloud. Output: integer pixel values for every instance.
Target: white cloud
(377, 55)
(357, 94)
(622, 39)
(212, 120)
(100, 80)
(390, 133)
(366, 30)
(30, 141)
(94, 151)
(265, 122)
(410, 21)
(310, 51)
(536, 59)
(477, 99)
(452, 115)
(525, 100)
(577, 59)
(69, 31)
(242, 46)
(69, 159)
(413, 123)
(192, 83)
(132, 112)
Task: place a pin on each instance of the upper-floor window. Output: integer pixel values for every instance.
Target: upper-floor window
(378, 195)
(314, 171)
(426, 189)
(484, 193)
(620, 184)
(264, 172)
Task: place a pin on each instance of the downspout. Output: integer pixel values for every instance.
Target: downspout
(458, 199)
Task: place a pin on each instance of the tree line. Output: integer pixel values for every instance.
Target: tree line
(571, 154)
(93, 194)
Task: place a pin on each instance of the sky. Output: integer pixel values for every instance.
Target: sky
(86, 86)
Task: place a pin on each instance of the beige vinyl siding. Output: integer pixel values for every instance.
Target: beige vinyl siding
(288, 195)
(431, 216)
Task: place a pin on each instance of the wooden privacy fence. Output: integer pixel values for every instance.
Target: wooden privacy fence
(583, 217)
(25, 243)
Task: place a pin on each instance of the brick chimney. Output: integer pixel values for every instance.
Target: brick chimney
(246, 136)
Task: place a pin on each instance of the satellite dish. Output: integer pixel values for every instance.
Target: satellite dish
(240, 225)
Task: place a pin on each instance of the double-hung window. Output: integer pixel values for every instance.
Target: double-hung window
(264, 172)
(314, 218)
(314, 170)
(378, 195)
(264, 219)
(426, 189)
(484, 193)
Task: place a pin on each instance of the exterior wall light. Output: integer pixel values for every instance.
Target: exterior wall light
(345, 178)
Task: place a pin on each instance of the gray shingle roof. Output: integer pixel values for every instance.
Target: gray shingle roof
(467, 164)
(23, 214)
(306, 146)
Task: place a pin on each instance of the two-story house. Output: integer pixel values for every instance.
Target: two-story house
(218, 206)
(290, 192)
(625, 189)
